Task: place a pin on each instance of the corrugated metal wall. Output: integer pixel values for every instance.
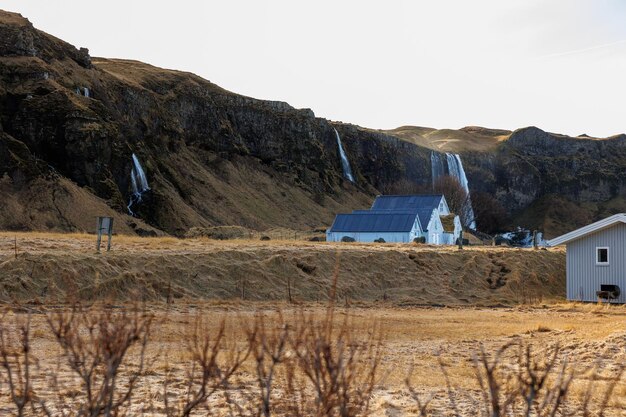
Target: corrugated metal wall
(584, 277)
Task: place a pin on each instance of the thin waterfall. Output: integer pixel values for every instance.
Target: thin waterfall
(437, 167)
(455, 169)
(345, 164)
(133, 181)
(138, 183)
(140, 174)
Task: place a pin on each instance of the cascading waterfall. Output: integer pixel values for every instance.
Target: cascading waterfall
(138, 183)
(437, 167)
(345, 164)
(454, 169)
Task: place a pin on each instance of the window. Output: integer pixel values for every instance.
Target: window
(602, 256)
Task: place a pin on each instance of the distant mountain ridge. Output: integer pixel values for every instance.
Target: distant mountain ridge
(467, 139)
(69, 124)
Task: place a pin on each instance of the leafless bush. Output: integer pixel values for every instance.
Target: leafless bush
(15, 366)
(457, 198)
(267, 338)
(95, 343)
(268, 345)
(210, 369)
(341, 370)
(529, 383)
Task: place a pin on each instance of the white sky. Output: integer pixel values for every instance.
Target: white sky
(556, 64)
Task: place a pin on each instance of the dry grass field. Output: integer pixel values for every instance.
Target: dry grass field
(48, 268)
(166, 328)
(415, 343)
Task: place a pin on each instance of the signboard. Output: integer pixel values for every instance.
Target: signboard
(105, 226)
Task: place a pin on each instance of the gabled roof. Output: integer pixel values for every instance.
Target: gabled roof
(421, 205)
(592, 228)
(424, 215)
(373, 222)
(407, 202)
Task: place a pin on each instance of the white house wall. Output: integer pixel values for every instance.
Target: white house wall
(584, 277)
(389, 237)
(443, 207)
(435, 234)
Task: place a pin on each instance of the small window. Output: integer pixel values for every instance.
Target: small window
(602, 256)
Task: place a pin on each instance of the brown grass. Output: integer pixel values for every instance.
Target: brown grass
(256, 359)
(51, 266)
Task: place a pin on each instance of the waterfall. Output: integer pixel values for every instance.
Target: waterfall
(345, 164)
(437, 167)
(138, 183)
(86, 91)
(454, 169)
(141, 176)
(133, 181)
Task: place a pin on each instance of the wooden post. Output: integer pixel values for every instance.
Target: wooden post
(99, 233)
(15, 244)
(534, 239)
(461, 240)
(289, 289)
(110, 233)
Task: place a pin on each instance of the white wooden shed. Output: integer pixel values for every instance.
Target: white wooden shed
(596, 260)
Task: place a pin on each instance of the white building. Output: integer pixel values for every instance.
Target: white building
(596, 260)
(399, 219)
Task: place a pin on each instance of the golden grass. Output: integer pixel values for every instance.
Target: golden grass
(416, 339)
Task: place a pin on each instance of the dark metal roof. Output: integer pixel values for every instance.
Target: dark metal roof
(407, 202)
(390, 213)
(424, 215)
(373, 222)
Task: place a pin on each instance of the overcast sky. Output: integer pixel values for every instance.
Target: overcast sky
(556, 64)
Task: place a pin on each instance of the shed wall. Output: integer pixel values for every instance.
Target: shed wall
(584, 277)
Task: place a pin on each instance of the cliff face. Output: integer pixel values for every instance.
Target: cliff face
(69, 124)
(211, 157)
(553, 182)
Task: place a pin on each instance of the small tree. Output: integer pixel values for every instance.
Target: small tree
(489, 213)
(456, 196)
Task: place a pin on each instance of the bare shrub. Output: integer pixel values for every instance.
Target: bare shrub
(267, 338)
(15, 365)
(490, 215)
(457, 198)
(95, 343)
(209, 369)
(516, 380)
(341, 370)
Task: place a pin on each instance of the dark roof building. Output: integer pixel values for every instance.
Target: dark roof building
(373, 222)
(397, 218)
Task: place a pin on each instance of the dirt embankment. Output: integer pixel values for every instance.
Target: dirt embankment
(49, 268)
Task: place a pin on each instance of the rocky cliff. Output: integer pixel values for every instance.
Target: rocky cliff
(69, 124)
